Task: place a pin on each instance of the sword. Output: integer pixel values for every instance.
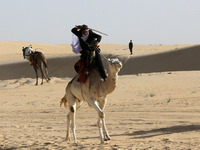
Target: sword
(95, 31)
(98, 31)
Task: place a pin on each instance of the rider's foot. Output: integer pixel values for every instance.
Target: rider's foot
(86, 73)
(105, 78)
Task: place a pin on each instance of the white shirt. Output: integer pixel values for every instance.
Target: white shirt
(76, 47)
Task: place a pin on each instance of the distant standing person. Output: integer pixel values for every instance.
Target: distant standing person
(131, 47)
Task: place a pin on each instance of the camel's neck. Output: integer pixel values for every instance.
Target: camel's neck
(111, 82)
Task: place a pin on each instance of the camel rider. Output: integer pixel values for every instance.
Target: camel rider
(88, 42)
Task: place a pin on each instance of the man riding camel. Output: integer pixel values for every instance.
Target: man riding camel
(87, 45)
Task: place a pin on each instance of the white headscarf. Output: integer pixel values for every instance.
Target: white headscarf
(85, 37)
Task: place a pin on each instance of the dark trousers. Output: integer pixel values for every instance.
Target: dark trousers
(85, 53)
(85, 57)
(99, 65)
(131, 49)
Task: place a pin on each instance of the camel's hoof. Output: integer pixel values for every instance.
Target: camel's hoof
(107, 137)
(68, 139)
(75, 142)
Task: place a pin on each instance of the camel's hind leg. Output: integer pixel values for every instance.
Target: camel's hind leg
(42, 74)
(64, 101)
(73, 104)
(72, 109)
(47, 74)
(68, 125)
(69, 120)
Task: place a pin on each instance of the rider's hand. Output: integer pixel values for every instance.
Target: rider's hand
(97, 47)
(96, 44)
(78, 27)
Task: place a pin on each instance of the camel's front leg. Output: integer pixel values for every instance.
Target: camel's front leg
(105, 131)
(94, 104)
(36, 73)
(102, 105)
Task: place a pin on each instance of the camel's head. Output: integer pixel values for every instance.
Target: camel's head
(115, 64)
(26, 51)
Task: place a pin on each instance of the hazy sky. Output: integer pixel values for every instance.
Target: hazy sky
(143, 21)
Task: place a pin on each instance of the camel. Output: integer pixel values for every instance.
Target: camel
(94, 91)
(37, 60)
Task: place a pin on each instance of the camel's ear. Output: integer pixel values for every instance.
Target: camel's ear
(22, 48)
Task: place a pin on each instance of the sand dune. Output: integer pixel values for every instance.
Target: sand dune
(152, 110)
(185, 59)
(57, 67)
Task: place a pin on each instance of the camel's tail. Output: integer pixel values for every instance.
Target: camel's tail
(63, 101)
(44, 60)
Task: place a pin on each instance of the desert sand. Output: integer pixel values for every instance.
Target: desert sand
(154, 106)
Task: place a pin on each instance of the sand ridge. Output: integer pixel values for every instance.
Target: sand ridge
(61, 65)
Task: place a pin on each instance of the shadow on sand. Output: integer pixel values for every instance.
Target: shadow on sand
(161, 131)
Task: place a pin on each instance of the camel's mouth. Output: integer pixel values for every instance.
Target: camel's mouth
(23, 50)
(116, 63)
(118, 67)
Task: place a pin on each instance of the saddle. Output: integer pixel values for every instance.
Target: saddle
(32, 56)
(79, 68)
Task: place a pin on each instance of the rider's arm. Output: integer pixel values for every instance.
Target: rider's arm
(76, 32)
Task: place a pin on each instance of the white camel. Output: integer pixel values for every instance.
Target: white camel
(94, 92)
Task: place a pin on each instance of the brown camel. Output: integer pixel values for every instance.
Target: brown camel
(37, 60)
(94, 91)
